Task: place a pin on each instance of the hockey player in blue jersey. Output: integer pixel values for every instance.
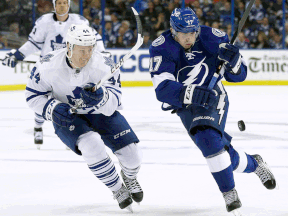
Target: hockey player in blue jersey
(182, 63)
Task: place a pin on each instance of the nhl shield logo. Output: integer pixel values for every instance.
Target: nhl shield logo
(72, 127)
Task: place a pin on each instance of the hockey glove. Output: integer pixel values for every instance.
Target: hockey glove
(94, 99)
(199, 96)
(231, 56)
(58, 112)
(12, 57)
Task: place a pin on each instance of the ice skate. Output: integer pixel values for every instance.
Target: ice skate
(232, 201)
(264, 173)
(134, 188)
(38, 137)
(123, 198)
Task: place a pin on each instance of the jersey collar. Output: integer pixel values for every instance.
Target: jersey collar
(68, 63)
(55, 18)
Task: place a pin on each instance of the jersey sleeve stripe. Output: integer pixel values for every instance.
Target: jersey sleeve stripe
(114, 89)
(38, 115)
(36, 41)
(37, 92)
(31, 97)
(158, 78)
(34, 44)
(116, 97)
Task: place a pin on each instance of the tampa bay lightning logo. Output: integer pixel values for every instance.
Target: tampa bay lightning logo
(193, 74)
(58, 43)
(158, 41)
(176, 13)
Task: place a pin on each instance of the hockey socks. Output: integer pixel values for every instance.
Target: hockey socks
(222, 171)
(209, 141)
(39, 121)
(105, 171)
(241, 162)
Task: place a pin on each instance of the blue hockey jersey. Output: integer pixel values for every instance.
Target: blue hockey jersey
(172, 67)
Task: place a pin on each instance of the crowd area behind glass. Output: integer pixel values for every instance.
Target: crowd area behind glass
(262, 30)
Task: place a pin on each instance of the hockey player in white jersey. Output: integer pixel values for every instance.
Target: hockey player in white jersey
(48, 35)
(59, 81)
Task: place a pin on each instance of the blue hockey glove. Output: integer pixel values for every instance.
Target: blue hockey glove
(12, 57)
(231, 56)
(58, 112)
(97, 98)
(199, 96)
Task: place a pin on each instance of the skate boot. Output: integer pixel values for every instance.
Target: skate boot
(232, 201)
(123, 198)
(264, 173)
(134, 188)
(38, 137)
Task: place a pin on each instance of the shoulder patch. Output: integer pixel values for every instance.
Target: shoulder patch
(46, 58)
(40, 18)
(158, 41)
(218, 32)
(82, 17)
(109, 61)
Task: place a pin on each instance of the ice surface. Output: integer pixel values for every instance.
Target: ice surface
(174, 176)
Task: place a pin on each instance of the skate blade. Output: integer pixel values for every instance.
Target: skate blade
(277, 186)
(38, 146)
(237, 212)
(129, 208)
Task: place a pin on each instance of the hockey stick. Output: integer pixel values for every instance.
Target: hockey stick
(24, 61)
(138, 44)
(221, 69)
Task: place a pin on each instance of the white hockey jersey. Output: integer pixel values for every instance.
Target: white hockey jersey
(49, 34)
(53, 77)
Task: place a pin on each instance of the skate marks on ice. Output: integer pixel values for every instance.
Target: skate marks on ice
(176, 128)
(104, 209)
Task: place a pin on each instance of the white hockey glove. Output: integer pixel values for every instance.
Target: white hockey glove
(12, 57)
(199, 96)
(231, 56)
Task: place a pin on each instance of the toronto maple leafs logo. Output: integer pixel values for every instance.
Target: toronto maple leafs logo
(76, 100)
(193, 74)
(58, 43)
(109, 61)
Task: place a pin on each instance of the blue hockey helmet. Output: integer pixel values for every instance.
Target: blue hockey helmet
(184, 20)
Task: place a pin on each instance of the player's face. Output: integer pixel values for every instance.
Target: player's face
(186, 40)
(81, 55)
(61, 6)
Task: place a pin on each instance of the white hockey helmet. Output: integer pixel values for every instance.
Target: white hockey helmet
(54, 5)
(81, 35)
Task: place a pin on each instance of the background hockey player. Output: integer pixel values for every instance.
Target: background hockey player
(183, 61)
(57, 83)
(48, 35)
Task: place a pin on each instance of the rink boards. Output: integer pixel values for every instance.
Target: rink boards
(265, 67)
